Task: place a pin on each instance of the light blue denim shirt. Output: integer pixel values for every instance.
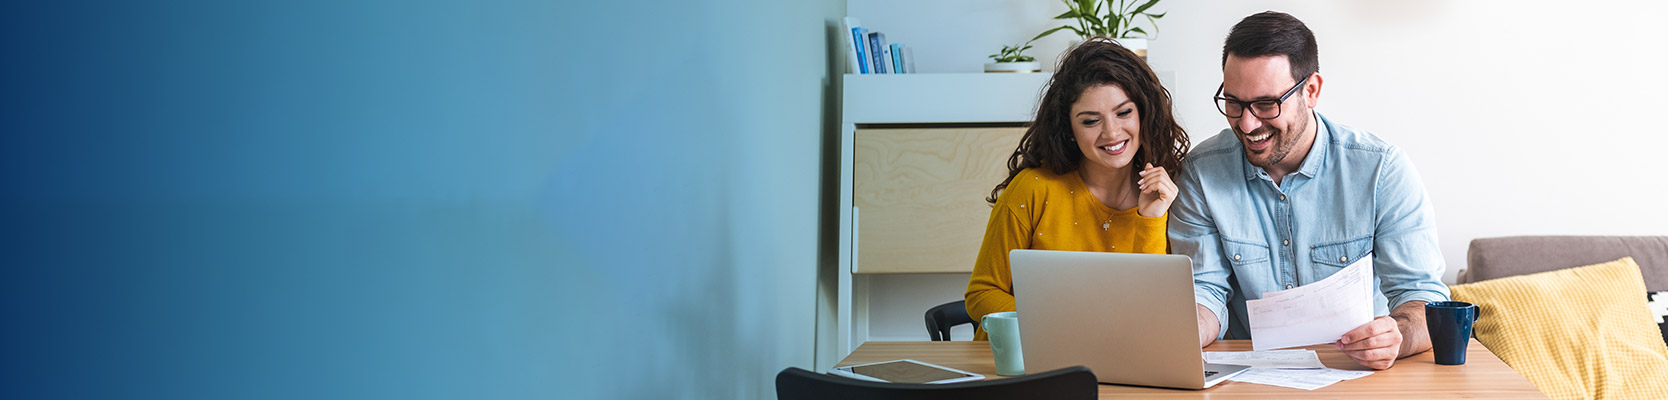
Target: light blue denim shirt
(1354, 194)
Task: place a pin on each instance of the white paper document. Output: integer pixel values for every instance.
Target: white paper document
(1306, 379)
(1316, 313)
(1340, 374)
(1267, 358)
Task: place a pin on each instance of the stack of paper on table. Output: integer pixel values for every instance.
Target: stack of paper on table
(1298, 369)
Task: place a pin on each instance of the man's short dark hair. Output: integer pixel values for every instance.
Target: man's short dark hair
(1271, 33)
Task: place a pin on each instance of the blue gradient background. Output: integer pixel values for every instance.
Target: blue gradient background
(391, 199)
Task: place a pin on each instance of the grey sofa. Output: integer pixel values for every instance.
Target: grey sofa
(1500, 257)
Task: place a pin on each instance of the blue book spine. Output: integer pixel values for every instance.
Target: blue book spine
(875, 62)
(858, 40)
(897, 58)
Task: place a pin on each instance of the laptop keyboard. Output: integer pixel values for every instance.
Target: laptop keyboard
(1210, 373)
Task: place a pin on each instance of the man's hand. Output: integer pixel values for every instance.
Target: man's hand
(1374, 344)
(1380, 342)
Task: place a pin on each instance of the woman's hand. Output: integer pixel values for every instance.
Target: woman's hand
(1157, 192)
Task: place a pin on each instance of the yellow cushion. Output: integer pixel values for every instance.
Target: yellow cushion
(1576, 333)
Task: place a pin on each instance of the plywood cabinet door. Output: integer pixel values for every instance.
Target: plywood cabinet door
(920, 195)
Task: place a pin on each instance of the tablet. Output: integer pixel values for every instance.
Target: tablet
(906, 371)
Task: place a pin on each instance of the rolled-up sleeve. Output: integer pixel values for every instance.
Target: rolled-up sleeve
(1193, 234)
(1406, 259)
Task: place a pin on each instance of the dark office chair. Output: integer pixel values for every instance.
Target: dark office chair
(944, 316)
(1068, 383)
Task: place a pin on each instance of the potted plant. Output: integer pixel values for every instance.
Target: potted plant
(1013, 59)
(1114, 19)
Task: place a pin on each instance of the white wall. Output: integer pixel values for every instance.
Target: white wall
(1524, 117)
(897, 304)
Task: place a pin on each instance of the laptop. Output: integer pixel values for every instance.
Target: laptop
(1128, 317)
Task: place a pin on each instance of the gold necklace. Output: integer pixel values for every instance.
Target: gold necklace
(1107, 225)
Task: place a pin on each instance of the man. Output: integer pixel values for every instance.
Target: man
(1286, 197)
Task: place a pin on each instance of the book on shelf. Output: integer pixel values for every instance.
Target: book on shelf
(862, 37)
(897, 58)
(909, 60)
(886, 56)
(867, 51)
(854, 40)
(877, 52)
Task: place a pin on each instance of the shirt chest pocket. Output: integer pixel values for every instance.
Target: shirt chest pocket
(1341, 253)
(1244, 253)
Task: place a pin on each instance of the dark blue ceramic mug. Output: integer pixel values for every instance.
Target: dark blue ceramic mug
(1449, 324)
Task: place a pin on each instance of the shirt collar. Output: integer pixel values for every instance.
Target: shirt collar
(1311, 163)
(1317, 151)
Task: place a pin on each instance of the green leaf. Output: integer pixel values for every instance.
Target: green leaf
(1143, 7)
(1051, 31)
(1160, 15)
(1136, 30)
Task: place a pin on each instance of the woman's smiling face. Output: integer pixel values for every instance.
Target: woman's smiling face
(1107, 127)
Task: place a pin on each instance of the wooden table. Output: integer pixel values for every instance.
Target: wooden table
(1483, 376)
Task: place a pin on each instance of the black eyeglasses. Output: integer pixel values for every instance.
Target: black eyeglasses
(1265, 109)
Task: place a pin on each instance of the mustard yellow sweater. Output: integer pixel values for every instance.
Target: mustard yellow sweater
(1047, 211)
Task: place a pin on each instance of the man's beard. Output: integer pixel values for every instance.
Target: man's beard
(1275, 153)
(1283, 145)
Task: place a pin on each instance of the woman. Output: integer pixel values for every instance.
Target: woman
(1093, 173)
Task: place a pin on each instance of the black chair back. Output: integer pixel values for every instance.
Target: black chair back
(1070, 383)
(941, 318)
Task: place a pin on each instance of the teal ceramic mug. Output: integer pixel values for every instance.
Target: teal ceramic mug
(1003, 330)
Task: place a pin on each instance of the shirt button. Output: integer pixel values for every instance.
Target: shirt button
(1285, 243)
(1236, 257)
(1282, 197)
(1343, 259)
(1288, 286)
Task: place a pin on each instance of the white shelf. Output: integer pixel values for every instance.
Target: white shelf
(942, 98)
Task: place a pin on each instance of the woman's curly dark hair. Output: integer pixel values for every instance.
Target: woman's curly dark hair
(1098, 61)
